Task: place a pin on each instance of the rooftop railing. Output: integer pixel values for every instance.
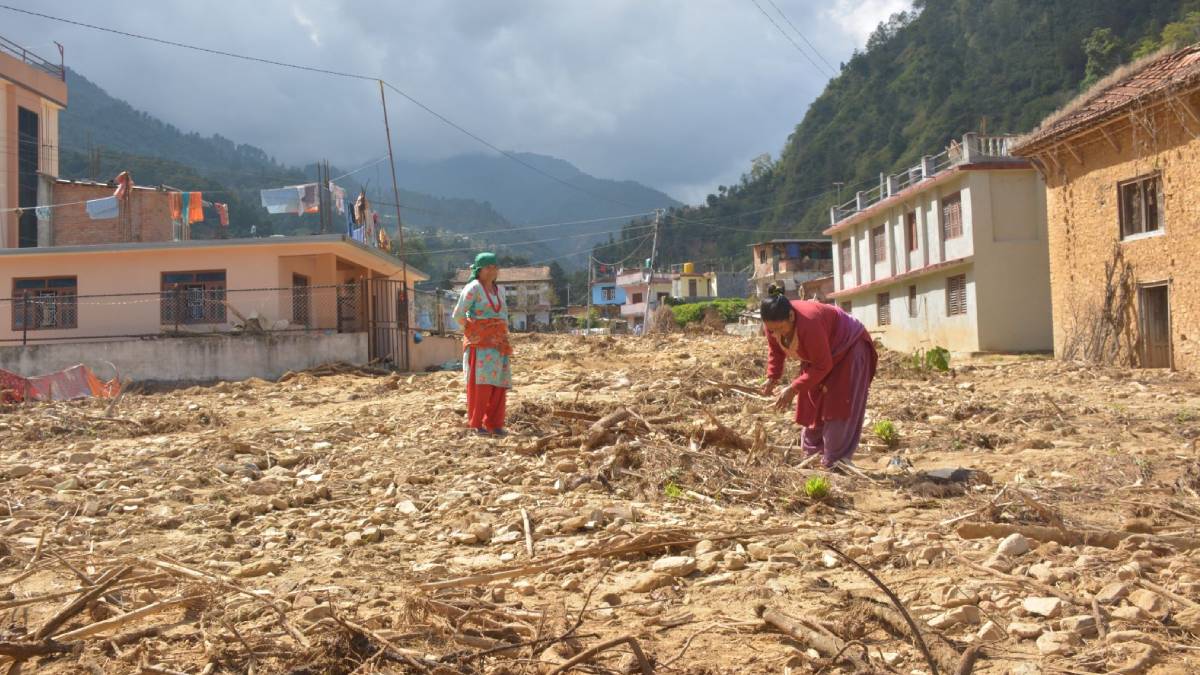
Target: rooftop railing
(974, 149)
(17, 51)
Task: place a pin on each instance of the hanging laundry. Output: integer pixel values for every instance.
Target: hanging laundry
(222, 213)
(281, 200)
(175, 202)
(103, 208)
(124, 185)
(43, 212)
(339, 197)
(310, 199)
(384, 242)
(195, 210)
(361, 208)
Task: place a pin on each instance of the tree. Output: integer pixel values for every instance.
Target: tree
(1182, 33)
(1103, 50)
(760, 166)
(558, 283)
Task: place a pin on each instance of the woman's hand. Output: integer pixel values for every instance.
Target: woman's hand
(769, 387)
(784, 400)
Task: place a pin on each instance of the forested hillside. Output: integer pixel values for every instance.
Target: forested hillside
(926, 76)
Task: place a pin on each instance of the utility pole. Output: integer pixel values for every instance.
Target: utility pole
(399, 232)
(650, 272)
(589, 298)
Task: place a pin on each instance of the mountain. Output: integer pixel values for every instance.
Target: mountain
(475, 196)
(926, 76)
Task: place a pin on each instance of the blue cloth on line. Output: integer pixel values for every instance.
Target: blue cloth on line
(104, 208)
(281, 200)
(43, 212)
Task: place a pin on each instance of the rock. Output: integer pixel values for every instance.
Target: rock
(735, 561)
(964, 615)
(856, 552)
(709, 562)
(1130, 613)
(829, 560)
(759, 551)
(571, 525)
(321, 446)
(1119, 636)
(525, 588)
(1083, 625)
(372, 534)
(675, 566)
(1024, 630)
(999, 563)
(704, 546)
(932, 553)
(263, 488)
(1138, 525)
(352, 538)
(1057, 644)
(1150, 602)
(258, 569)
(991, 632)
(937, 419)
(949, 597)
(648, 581)
(1189, 620)
(407, 507)
(1013, 545)
(465, 538)
(71, 483)
(1043, 573)
(1112, 593)
(566, 466)
(482, 532)
(82, 458)
(315, 614)
(1047, 607)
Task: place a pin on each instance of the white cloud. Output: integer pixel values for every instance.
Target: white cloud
(307, 24)
(859, 18)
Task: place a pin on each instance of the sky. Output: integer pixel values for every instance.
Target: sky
(677, 94)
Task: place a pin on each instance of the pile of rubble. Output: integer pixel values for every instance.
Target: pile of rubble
(649, 512)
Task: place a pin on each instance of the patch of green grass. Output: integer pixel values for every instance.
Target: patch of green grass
(1186, 415)
(886, 431)
(672, 490)
(817, 488)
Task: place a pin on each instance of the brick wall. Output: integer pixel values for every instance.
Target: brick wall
(1084, 228)
(145, 217)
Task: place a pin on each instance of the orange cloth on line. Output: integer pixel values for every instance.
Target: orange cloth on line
(487, 334)
(175, 201)
(195, 208)
(222, 213)
(124, 185)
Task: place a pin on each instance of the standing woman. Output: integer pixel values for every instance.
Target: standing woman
(839, 363)
(484, 317)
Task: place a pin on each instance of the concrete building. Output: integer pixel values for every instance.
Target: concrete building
(789, 263)
(529, 292)
(32, 92)
(949, 253)
(645, 290)
(607, 296)
(688, 285)
(1121, 164)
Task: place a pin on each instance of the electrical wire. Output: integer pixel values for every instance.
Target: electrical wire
(789, 38)
(802, 37)
(542, 241)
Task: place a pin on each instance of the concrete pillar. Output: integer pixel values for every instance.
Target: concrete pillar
(970, 147)
(926, 167)
(859, 201)
(893, 185)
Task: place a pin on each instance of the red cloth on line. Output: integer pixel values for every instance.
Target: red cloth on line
(195, 208)
(74, 382)
(222, 213)
(823, 390)
(175, 201)
(485, 403)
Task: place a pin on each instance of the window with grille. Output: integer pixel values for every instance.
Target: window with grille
(193, 297)
(883, 309)
(956, 295)
(952, 216)
(912, 301)
(608, 294)
(910, 231)
(879, 244)
(637, 298)
(45, 304)
(1140, 202)
(845, 257)
(301, 301)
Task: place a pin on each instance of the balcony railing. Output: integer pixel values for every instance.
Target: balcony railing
(27, 57)
(974, 149)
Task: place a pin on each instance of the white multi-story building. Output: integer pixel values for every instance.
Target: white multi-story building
(951, 253)
(528, 292)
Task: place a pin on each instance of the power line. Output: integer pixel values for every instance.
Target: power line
(789, 38)
(325, 71)
(802, 36)
(542, 241)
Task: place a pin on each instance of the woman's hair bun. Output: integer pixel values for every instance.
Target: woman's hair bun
(775, 290)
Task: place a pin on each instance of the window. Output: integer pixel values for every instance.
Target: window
(301, 300)
(883, 309)
(879, 244)
(844, 254)
(762, 255)
(637, 298)
(27, 176)
(910, 231)
(952, 216)
(45, 304)
(691, 288)
(608, 294)
(956, 295)
(1140, 202)
(847, 306)
(193, 297)
(912, 301)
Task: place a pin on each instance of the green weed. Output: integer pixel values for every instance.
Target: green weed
(817, 488)
(886, 431)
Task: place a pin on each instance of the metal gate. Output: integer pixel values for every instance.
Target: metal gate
(387, 322)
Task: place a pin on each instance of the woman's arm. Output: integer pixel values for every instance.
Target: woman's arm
(466, 301)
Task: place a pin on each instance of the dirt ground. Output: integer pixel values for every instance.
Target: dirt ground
(339, 522)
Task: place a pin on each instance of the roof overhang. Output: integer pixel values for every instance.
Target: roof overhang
(901, 278)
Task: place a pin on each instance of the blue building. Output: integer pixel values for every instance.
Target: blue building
(608, 296)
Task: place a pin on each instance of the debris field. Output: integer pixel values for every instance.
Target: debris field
(648, 513)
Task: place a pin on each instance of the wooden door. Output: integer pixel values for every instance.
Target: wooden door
(1155, 319)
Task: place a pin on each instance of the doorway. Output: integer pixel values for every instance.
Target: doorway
(1154, 317)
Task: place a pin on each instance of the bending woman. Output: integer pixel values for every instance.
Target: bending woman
(839, 363)
(482, 313)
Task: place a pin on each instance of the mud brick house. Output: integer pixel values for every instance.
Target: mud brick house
(528, 291)
(1121, 166)
(949, 253)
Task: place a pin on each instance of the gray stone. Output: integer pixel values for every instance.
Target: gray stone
(1083, 625)
(1150, 602)
(991, 632)
(965, 615)
(1112, 593)
(676, 565)
(648, 581)
(1047, 607)
(1024, 630)
(1013, 545)
(1057, 644)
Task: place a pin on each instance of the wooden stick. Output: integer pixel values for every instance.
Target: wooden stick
(21, 650)
(1170, 594)
(601, 428)
(1100, 618)
(587, 654)
(528, 533)
(825, 645)
(122, 619)
(64, 615)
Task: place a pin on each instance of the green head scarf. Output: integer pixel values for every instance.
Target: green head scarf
(481, 261)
